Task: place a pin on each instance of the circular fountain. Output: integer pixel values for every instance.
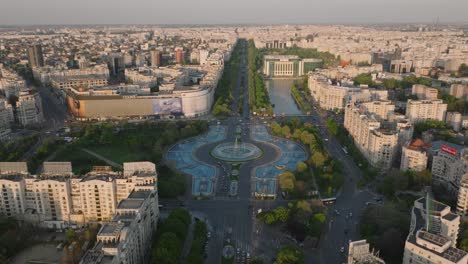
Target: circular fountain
(236, 151)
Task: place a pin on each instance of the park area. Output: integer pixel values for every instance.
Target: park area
(113, 144)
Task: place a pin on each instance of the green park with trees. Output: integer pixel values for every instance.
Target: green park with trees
(258, 95)
(170, 237)
(298, 94)
(320, 166)
(290, 254)
(386, 228)
(129, 143)
(302, 219)
(225, 87)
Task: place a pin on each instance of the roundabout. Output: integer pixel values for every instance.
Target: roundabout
(236, 152)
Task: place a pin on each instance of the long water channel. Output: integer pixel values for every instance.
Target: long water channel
(280, 95)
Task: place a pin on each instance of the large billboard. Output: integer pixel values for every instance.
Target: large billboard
(449, 150)
(167, 106)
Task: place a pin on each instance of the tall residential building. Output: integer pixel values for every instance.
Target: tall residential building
(6, 118)
(359, 252)
(377, 139)
(116, 64)
(56, 198)
(433, 235)
(459, 90)
(35, 56)
(449, 164)
(179, 56)
(127, 238)
(156, 58)
(423, 92)
(203, 56)
(421, 110)
(462, 201)
(414, 156)
(29, 108)
(454, 119)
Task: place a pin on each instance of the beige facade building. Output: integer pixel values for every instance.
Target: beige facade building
(414, 156)
(29, 108)
(64, 82)
(454, 119)
(381, 109)
(459, 90)
(433, 235)
(59, 199)
(423, 92)
(462, 201)
(377, 139)
(421, 110)
(127, 238)
(360, 252)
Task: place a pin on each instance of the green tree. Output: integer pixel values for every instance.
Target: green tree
(70, 234)
(167, 250)
(286, 181)
(363, 78)
(286, 131)
(463, 70)
(290, 255)
(332, 126)
(301, 166)
(318, 159)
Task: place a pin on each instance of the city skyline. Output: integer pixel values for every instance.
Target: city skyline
(238, 12)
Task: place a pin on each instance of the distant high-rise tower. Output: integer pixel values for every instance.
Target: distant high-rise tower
(35, 56)
(156, 58)
(179, 56)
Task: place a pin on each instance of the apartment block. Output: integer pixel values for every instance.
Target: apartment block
(449, 164)
(127, 238)
(421, 110)
(423, 92)
(29, 108)
(360, 252)
(414, 156)
(6, 118)
(56, 198)
(462, 201)
(459, 90)
(377, 139)
(433, 235)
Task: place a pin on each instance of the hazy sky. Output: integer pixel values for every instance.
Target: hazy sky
(227, 12)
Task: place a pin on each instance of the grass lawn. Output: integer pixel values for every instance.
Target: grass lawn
(120, 153)
(81, 161)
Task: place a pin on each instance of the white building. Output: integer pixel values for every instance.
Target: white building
(359, 252)
(423, 92)
(462, 201)
(59, 199)
(29, 108)
(433, 235)
(449, 164)
(414, 156)
(421, 110)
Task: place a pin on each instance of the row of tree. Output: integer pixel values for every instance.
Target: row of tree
(258, 94)
(299, 98)
(224, 90)
(196, 254)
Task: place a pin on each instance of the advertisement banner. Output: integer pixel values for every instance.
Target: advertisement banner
(167, 106)
(449, 150)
